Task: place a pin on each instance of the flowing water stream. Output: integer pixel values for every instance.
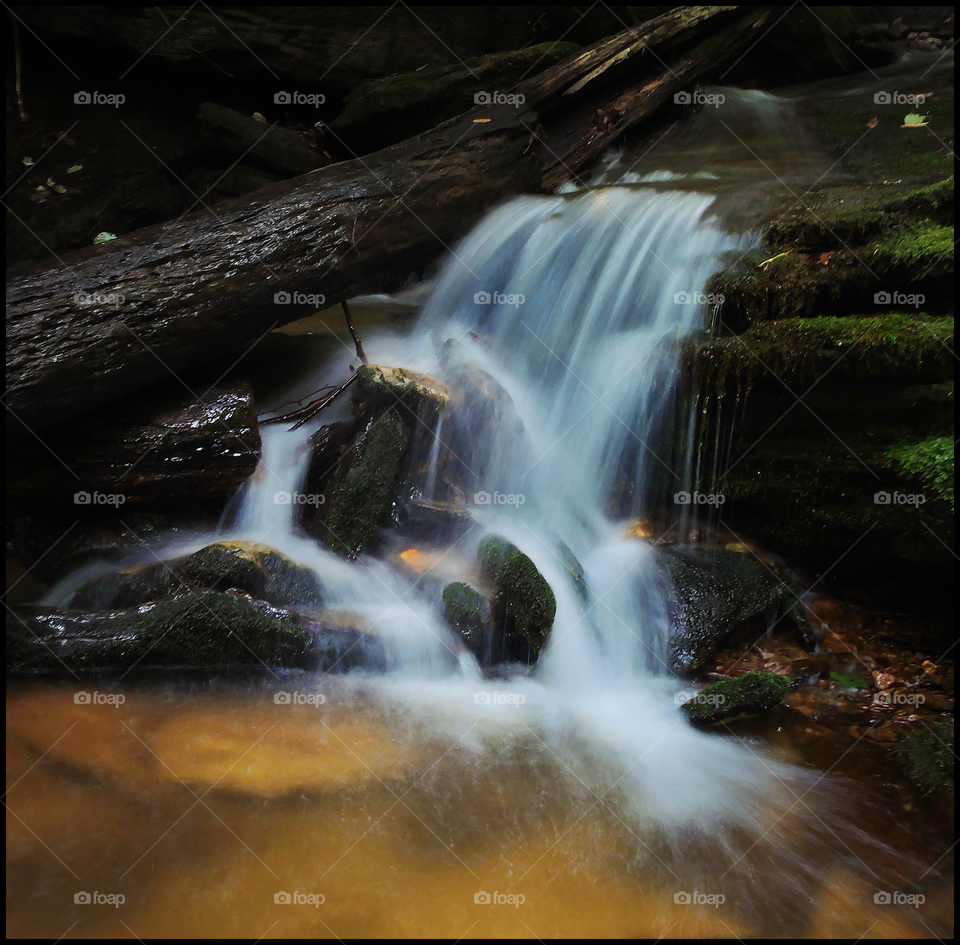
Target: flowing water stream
(577, 788)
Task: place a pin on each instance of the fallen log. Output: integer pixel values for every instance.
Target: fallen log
(114, 318)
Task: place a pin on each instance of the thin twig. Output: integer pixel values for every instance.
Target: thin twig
(353, 334)
(312, 409)
(299, 402)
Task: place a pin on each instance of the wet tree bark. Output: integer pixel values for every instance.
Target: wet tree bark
(109, 320)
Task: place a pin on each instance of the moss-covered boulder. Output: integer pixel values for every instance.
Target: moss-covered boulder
(929, 758)
(743, 696)
(710, 593)
(379, 386)
(361, 494)
(257, 569)
(523, 605)
(465, 610)
(197, 630)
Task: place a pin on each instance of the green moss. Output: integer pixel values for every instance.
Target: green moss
(802, 349)
(361, 498)
(523, 601)
(928, 756)
(925, 246)
(728, 699)
(463, 609)
(850, 681)
(930, 460)
(826, 224)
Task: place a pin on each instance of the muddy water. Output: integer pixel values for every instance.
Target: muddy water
(202, 805)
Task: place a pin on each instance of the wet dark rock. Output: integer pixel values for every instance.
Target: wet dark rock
(326, 446)
(232, 136)
(200, 630)
(741, 697)
(465, 610)
(523, 605)
(257, 569)
(360, 467)
(711, 592)
(159, 447)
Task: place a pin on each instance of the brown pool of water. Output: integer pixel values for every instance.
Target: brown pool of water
(217, 811)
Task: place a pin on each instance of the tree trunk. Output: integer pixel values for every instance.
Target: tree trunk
(114, 318)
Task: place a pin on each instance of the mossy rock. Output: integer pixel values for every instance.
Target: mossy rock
(903, 347)
(929, 758)
(728, 699)
(862, 214)
(363, 493)
(379, 386)
(464, 609)
(523, 603)
(257, 569)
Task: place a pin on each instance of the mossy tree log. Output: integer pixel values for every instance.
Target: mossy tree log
(109, 320)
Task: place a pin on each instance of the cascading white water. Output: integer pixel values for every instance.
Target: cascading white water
(575, 305)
